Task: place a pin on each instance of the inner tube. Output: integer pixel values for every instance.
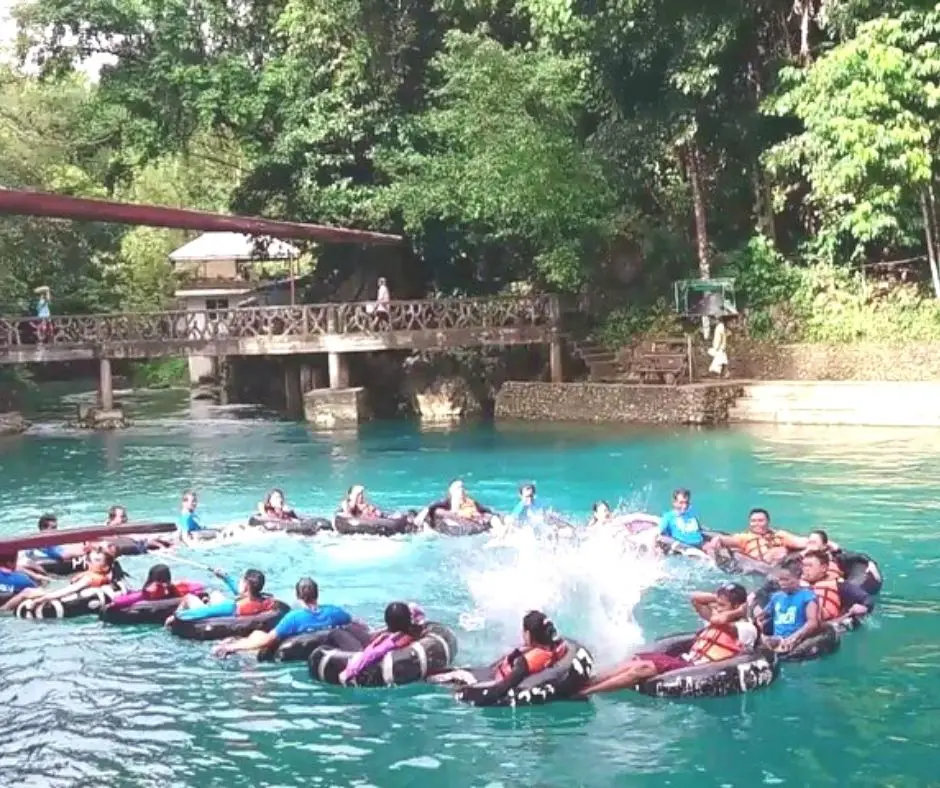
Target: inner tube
(432, 653)
(304, 526)
(229, 626)
(559, 682)
(854, 568)
(352, 637)
(204, 535)
(61, 567)
(88, 600)
(743, 673)
(373, 526)
(824, 642)
(155, 611)
(452, 525)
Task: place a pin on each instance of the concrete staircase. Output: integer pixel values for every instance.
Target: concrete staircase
(868, 403)
(602, 363)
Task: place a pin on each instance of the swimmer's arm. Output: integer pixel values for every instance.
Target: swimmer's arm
(219, 610)
(728, 540)
(792, 541)
(430, 511)
(253, 642)
(809, 628)
(520, 669)
(702, 601)
(71, 588)
(33, 574)
(229, 583)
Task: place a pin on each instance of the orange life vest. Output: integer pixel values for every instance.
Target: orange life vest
(834, 572)
(714, 644)
(468, 509)
(96, 579)
(253, 607)
(537, 658)
(757, 546)
(827, 595)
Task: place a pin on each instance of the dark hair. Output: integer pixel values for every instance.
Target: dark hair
(527, 486)
(398, 619)
(267, 498)
(823, 536)
(682, 492)
(188, 494)
(112, 512)
(307, 590)
(820, 555)
(159, 573)
(48, 521)
(540, 628)
(791, 569)
(598, 504)
(254, 579)
(735, 593)
(758, 510)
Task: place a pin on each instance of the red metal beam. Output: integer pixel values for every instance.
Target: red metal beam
(13, 201)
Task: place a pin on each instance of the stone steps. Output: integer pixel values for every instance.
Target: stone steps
(839, 403)
(601, 362)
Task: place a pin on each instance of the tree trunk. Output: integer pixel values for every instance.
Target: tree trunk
(698, 203)
(930, 235)
(804, 8)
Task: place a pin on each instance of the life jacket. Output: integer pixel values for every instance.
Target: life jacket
(757, 546)
(714, 644)
(834, 572)
(468, 509)
(253, 607)
(157, 591)
(537, 658)
(827, 595)
(96, 579)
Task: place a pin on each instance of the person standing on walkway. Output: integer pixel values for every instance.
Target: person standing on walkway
(382, 299)
(44, 314)
(719, 349)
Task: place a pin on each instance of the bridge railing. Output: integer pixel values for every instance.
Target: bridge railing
(306, 320)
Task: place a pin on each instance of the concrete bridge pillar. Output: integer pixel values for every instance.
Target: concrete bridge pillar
(105, 385)
(293, 393)
(555, 359)
(339, 371)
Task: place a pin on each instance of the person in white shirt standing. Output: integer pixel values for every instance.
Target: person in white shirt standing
(719, 349)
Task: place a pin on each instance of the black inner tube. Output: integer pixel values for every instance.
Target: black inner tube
(451, 524)
(229, 626)
(373, 526)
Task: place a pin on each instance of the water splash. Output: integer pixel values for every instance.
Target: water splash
(590, 586)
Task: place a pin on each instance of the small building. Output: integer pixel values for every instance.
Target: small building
(220, 271)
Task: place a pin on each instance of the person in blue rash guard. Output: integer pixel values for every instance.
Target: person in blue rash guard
(49, 522)
(527, 511)
(13, 580)
(188, 520)
(792, 612)
(311, 617)
(248, 601)
(681, 522)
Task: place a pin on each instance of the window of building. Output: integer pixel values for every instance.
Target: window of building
(214, 306)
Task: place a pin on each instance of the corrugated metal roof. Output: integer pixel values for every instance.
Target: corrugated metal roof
(233, 246)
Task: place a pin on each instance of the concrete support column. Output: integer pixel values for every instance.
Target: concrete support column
(105, 385)
(555, 359)
(339, 371)
(308, 380)
(293, 395)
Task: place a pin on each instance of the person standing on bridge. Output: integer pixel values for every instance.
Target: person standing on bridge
(44, 314)
(382, 299)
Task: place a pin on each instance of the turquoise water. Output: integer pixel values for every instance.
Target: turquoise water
(86, 704)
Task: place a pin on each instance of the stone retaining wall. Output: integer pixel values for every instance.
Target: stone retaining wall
(699, 403)
(761, 361)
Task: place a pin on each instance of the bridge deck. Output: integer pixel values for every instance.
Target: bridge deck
(308, 328)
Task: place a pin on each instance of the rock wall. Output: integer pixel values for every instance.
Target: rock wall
(12, 423)
(617, 402)
(908, 362)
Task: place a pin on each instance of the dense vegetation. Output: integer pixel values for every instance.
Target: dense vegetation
(609, 147)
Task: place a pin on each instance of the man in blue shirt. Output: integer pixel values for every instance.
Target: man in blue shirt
(12, 581)
(681, 523)
(188, 521)
(310, 617)
(527, 511)
(792, 612)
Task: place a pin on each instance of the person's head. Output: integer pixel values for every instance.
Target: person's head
(252, 583)
(817, 540)
(381, 281)
(758, 521)
(601, 511)
(680, 501)
(356, 495)
(538, 629)
(117, 515)
(730, 596)
(456, 490)
(100, 561)
(527, 493)
(275, 500)
(307, 591)
(190, 501)
(48, 522)
(815, 566)
(398, 618)
(159, 573)
(788, 577)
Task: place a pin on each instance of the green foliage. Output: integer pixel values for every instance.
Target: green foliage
(160, 373)
(627, 324)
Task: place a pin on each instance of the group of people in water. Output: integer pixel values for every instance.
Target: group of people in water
(806, 590)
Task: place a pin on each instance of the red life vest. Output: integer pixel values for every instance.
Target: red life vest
(714, 644)
(156, 591)
(253, 607)
(96, 579)
(537, 658)
(827, 596)
(758, 546)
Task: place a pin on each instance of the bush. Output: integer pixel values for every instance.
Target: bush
(160, 373)
(625, 325)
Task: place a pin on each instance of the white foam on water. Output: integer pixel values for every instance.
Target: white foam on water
(591, 588)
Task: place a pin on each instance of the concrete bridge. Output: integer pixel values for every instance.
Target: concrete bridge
(336, 329)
